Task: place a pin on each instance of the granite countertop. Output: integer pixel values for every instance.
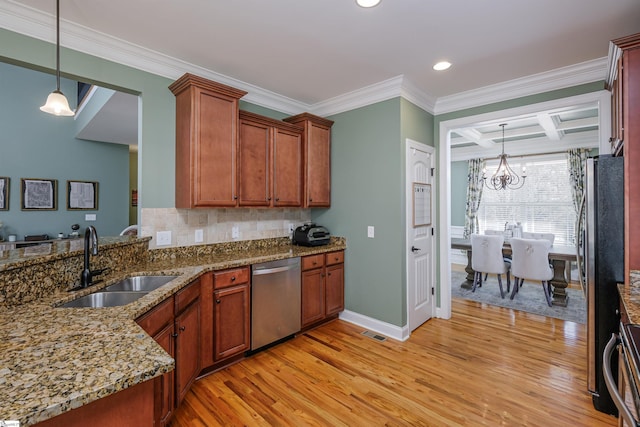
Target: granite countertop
(630, 296)
(55, 359)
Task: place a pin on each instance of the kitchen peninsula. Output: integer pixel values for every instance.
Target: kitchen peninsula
(54, 360)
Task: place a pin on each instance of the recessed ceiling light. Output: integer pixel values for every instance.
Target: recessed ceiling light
(442, 65)
(367, 3)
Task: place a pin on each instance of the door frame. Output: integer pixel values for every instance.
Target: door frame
(411, 144)
(600, 98)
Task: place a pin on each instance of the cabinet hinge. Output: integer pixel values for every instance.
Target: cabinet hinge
(432, 169)
(433, 291)
(432, 231)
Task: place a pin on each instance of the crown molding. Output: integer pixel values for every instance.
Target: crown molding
(560, 78)
(34, 23)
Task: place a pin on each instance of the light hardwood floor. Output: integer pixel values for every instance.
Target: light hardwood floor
(485, 366)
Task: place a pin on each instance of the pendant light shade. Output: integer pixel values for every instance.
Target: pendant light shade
(57, 103)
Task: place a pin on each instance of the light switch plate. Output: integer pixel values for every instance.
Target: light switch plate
(199, 236)
(89, 217)
(163, 238)
(371, 231)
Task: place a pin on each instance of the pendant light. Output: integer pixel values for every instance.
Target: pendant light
(57, 103)
(504, 177)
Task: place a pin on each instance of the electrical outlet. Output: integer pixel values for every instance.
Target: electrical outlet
(89, 217)
(163, 238)
(199, 236)
(371, 231)
(235, 232)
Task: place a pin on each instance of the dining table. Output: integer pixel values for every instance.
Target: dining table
(560, 257)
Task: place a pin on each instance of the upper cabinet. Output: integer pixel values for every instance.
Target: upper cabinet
(317, 159)
(227, 158)
(270, 162)
(206, 141)
(624, 82)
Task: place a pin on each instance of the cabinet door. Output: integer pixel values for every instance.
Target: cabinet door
(318, 179)
(313, 304)
(287, 168)
(187, 349)
(254, 160)
(232, 321)
(334, 288)
(164, 396)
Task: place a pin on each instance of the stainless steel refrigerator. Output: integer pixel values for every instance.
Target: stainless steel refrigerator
(603, 254)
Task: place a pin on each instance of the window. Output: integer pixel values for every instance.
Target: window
(543, 205)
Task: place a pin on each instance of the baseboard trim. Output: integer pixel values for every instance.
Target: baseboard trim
(397, 333)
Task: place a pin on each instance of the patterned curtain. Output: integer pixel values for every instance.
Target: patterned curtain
(577, 158)
(474, 194)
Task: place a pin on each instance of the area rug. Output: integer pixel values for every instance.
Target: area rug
(530, 298)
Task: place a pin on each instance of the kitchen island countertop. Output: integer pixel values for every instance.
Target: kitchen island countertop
(56, 359)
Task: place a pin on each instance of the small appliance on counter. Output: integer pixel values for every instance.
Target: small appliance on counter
(311, 234)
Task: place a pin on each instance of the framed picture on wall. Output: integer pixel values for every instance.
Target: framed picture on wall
(82, 195)
(38, 194)
(4, 193)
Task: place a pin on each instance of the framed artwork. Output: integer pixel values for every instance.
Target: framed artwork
(421, 204)
(4, 193)
(82, 195)
(38, 194)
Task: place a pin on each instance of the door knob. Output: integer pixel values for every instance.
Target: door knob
(414, 249)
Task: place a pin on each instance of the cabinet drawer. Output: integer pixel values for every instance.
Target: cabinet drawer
(312, 261)
(187, 295)
(155, 319)
(236, 276)
(334, 258)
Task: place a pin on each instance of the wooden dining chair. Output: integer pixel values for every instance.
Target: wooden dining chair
(486, 257)
(530, 260)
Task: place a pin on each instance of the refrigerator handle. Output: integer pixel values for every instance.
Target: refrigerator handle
(579, 224)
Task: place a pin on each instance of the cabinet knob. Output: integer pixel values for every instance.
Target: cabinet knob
(310, 199)
(328, 274)
(269, 198)
(277, 199)
(182, 328)
(218, 301)
(235, 197)
(174, 335)
(233, 278)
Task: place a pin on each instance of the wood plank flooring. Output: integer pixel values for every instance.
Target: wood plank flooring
(485, 366)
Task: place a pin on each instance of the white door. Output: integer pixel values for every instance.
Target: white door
(420, 241)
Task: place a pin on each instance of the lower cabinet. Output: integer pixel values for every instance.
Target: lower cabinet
(175, 325)
(322, 286)
(226, 315)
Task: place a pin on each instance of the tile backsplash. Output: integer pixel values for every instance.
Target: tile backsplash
(218, 225)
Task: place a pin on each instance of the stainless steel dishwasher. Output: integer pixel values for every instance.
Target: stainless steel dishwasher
(275, 301)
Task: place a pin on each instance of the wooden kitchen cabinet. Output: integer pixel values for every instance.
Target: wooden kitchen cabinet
(322, 287)
(317, 158)
(187, 331)
(175, 325)
(226, 314)
(624, 81)
(206, 142)
(270, 164)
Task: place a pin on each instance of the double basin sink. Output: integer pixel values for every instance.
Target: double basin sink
(121, 293)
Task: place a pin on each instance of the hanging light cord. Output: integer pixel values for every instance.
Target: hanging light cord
(58, 45)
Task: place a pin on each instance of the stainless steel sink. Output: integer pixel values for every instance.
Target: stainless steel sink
(105, 299)
(140, 283)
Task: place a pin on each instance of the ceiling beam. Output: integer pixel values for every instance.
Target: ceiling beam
(549, 124)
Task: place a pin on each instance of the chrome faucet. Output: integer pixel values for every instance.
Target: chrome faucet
(90, 243)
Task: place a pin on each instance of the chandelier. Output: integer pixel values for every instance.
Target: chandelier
(504, 177)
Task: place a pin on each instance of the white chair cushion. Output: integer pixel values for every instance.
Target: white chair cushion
(530, 259)
(486, 254)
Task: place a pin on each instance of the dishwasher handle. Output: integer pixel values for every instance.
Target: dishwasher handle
(275, 270)
(610, 382)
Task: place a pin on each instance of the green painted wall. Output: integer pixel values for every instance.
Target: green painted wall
(157, 147)
(459, 171)
(367, 172)
(38, 145)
